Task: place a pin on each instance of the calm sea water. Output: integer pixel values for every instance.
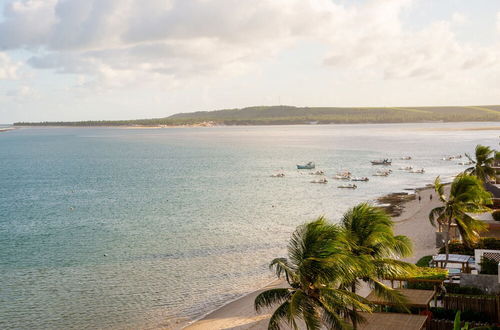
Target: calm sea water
(116, 228)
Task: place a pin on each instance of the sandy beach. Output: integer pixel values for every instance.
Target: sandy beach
(413, 222)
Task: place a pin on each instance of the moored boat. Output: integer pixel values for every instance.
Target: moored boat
(420, 171)
(341, 177)
(324, 180)
(308, 166)
(406, 158)
(362, 178)
(382, 173)
(348, 186)
(381, 162)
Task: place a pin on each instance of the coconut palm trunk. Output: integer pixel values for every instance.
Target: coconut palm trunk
(467, 195)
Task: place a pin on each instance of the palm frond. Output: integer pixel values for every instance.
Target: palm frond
(270, 297)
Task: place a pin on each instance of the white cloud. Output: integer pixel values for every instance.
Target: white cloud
(127, 41)
(498, 22)
(21, 93)
(458, 18)
(8, 68)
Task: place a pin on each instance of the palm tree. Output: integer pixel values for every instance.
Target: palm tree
(370, 237)
(318, 262)
(483, 163)
(467, 195)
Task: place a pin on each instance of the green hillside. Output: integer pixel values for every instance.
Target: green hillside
(283, 115)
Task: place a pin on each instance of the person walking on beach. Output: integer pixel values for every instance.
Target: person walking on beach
(430, 197)
(419, 198)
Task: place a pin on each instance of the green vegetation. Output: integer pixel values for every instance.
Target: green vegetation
(489, 266)
(496, 215)
(317, 262)
(487, 243)
(467, 195)
(455, 288)
(326, 262)
(288, 115)
(484, 161)
(424, 261)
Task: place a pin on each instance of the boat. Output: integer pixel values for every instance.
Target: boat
(348, 186)
(362, 178)
(382, 173)
(318, 173)
(342, 177)
(406, 168)
(278, 175)
(466, 163)
(308, 166)
(324, 180)
(381, 162)
(421, 171)
(406, 158)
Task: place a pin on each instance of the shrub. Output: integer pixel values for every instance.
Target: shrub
(454, 288)
(488, 266)
(420, 285)
(424, 261)
(488, 243)
(449, 314)
(496, 215)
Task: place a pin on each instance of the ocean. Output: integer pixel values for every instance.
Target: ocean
(141, 228)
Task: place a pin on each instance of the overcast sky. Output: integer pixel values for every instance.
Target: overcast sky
(121, 59)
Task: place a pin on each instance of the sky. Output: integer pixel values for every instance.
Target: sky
(127, 59)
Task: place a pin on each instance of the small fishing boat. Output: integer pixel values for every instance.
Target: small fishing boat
(362, 178)
(348, 186)
(421, 171)
(406, 158)
(318, 173)
(406, 168)
(382, 173)
(308, 166)
(278, 175)
(381, 162)
(324, 180)
(466, 163)
(342, 177)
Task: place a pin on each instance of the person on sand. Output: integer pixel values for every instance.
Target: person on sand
(430, 197)
(419, 198)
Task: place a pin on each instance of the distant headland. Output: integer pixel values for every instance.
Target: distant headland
(290, 115)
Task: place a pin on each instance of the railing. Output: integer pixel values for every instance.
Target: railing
(448, 325)
(487, 305)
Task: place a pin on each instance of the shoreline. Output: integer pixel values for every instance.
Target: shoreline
(411, 221)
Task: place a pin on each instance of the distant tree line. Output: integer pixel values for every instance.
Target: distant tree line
(286, 115)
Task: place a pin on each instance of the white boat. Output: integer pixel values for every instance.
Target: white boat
(406, 158)
(406, 168)
(317, 173)
(381, 162)
(341, 177)
(324, 180)
(421, 171)
(466, 163)
(361, 178)
(278, 175)
(382, 173)
(348, 186)
(308, 166)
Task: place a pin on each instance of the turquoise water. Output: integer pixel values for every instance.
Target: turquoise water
(117, 228)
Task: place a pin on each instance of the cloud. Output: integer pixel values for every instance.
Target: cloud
(8, 68)
(130, 41)
(498, 22)
(21, 93)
